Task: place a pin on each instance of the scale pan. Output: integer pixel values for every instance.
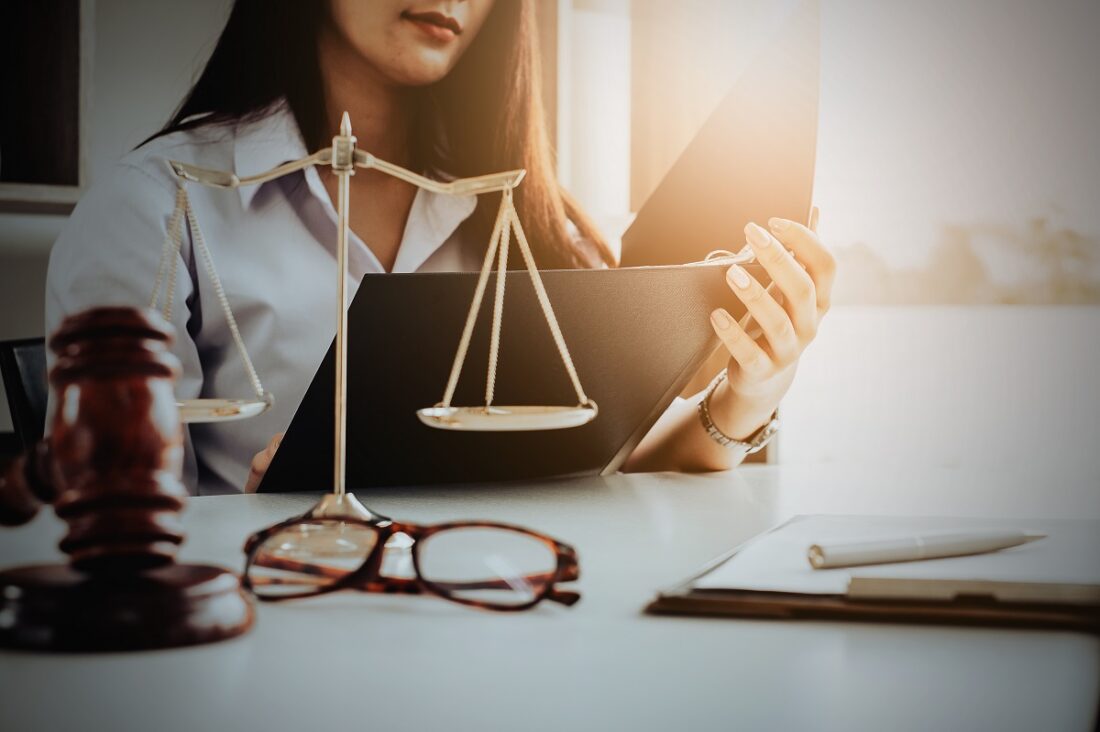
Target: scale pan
(196, 411)
(507, 418)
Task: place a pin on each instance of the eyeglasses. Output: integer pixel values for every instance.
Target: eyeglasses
(479, 563)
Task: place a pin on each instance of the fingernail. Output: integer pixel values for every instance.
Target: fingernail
(778, 224)
(739, 277)
(720, 319)
(758, 236)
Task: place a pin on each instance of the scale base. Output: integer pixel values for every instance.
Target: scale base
(343, 505)
(507, 418)
(56, 608)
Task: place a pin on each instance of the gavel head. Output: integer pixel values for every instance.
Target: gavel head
(116, 441)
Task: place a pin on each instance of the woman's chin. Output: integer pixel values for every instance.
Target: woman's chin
(421, 67)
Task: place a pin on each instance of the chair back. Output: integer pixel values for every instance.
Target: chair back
(23, 368)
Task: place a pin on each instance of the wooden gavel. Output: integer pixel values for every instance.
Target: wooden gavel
(111, 468)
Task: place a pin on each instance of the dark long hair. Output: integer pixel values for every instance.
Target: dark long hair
(485, 116)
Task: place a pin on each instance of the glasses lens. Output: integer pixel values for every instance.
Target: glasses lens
(494, 566)
(308, 557)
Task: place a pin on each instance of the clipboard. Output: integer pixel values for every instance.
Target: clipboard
(1055, 601)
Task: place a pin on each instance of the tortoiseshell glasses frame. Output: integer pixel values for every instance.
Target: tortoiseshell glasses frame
(368, 576)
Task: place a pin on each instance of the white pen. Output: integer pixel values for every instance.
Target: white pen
(914, 548)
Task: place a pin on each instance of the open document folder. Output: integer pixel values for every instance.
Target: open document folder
(1053, 583)
(637, 336)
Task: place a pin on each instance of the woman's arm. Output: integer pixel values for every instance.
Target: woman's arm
(759, 371)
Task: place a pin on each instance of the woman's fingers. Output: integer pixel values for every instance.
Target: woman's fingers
(769, 315)
(256, 471)
(745, 351)
(809, 250)
(261, 461)
(799, 291)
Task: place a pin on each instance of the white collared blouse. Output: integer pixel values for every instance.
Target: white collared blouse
(274, 248)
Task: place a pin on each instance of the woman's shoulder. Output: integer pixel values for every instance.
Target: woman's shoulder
(245, 146)
(134, 197)
(208, 146)
(139, 189)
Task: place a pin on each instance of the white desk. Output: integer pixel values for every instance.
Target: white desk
(355, 661)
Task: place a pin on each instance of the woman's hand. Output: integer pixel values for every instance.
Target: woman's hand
(260, 463)
(761, 369)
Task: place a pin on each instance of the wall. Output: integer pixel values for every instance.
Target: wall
(144, 59)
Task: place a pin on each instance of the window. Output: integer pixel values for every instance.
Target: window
(957, 167)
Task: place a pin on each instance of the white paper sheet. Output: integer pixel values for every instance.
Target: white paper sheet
(777, 561)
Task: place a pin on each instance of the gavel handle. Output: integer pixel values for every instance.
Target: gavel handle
(25, 485)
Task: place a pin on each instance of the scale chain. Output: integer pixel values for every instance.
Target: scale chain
(471, 317)
(173, 267)
(547, 310)
(507, 222)
(219, 291)
(171, 246)
(498, 301)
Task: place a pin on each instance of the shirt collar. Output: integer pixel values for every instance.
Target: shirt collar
(275, 139)
(433, 218)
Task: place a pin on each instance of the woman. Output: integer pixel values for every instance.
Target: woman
(448, 87)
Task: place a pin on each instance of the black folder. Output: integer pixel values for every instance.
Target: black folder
(753, 158)
(636, 335)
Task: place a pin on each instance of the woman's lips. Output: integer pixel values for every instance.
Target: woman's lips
(435, 25)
